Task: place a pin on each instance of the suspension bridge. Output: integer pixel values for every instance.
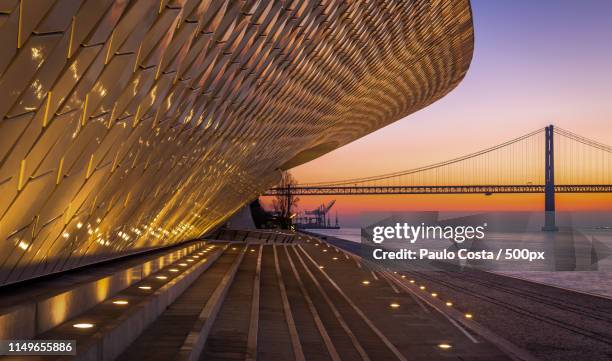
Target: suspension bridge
(549, 160)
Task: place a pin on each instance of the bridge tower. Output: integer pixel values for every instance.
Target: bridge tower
(549, 185)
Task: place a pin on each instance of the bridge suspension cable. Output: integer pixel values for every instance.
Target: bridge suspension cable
(472, 168)
(581, 160)
(514, 166)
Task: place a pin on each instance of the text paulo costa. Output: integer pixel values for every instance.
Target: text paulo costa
(426, 254)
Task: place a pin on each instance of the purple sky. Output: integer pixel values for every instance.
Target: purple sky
(536, 62)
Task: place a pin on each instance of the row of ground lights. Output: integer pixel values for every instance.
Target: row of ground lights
(435, 295)
(396, 305)
(123, 302)
(252, 249)
(467, 315)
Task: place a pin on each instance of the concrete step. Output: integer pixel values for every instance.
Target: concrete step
(114, 324)
(304, 312)
(367, 336)
(343, 340)
(228, 339)
(34, 307)
(175, 333)
(274, 340)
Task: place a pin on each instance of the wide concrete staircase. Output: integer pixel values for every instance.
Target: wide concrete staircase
(264, 299)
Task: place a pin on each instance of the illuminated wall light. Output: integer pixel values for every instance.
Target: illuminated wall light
(434, 295)
(144, 287)
(161, 277)
(65, 234)
(79, 225)
(335, 258)
(394, 305)
(321, 267)
(324, 250)
(120, 302)
(449, 303)
(190, 260)
(83, 325)
(173, 270)
(422, 287)
(366, 282)
(468, 315)
(445, 346)
(23, 245)
(183, 264)
(403, 276)
(412, 281)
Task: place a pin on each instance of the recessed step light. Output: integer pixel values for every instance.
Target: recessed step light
(83, 325)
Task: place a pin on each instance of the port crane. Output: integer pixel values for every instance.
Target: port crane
(318, 217)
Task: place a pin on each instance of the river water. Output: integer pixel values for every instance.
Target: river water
(593, 282)
(349, 234)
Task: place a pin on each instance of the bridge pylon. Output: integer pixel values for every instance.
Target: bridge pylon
(549, 185)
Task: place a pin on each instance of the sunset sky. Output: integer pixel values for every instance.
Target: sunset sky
(535, 63)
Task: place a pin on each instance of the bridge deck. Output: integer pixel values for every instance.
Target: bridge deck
(436, 189)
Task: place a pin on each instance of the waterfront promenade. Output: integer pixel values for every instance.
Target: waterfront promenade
(293, 298)
(256, 295)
